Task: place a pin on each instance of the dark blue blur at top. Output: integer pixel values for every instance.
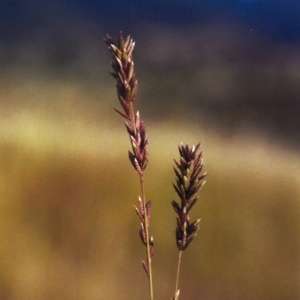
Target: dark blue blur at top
(278, 19)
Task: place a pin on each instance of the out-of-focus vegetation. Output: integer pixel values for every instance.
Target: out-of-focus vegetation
(68, 229)
(67, 225)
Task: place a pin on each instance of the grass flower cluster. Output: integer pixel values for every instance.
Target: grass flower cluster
(188, 169)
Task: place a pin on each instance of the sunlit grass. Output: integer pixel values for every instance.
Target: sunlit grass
(66, 222)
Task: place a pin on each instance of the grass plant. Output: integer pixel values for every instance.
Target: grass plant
(189, 177)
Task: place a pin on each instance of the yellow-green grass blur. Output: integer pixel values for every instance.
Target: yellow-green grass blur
(67, 225)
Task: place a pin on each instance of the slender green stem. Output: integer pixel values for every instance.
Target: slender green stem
(177, 275)
(147, 238)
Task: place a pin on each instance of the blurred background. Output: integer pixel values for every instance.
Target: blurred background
(225, 73)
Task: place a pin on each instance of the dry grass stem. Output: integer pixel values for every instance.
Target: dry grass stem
(188, 169)
(127, 85)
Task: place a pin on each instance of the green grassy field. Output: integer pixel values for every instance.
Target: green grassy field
(67, 225)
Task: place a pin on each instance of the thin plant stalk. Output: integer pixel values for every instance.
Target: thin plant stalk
(123, 72)
(176, 293)
(187, 170)
(149, 260)
(146, 223)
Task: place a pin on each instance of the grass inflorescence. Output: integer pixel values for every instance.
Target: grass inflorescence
(188, 169)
